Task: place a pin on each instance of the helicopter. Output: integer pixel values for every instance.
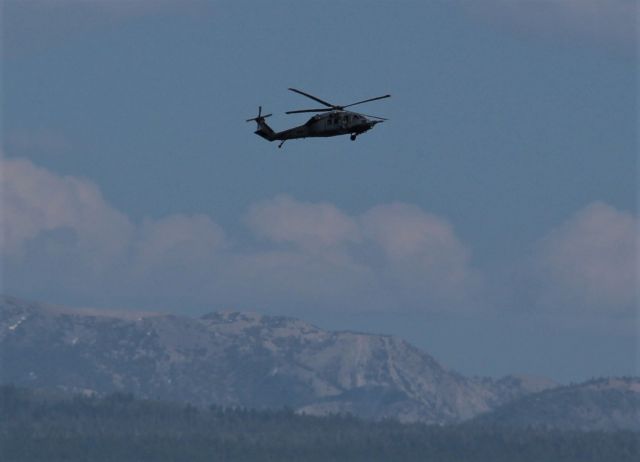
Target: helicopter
(333, 122)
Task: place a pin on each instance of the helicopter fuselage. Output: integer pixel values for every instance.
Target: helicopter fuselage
(332, 123)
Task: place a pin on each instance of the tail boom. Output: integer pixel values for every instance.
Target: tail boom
(263, 130)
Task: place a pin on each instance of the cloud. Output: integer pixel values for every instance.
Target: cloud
(36, 201)
(177, 241)
(405, 231)
(59, 231)
(61, 234)
(62, 237)
(610, 21)
(307, 225)
(395, 254)
(422, 253)
(590, 262)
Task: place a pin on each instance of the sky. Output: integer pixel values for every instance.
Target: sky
(491, 221)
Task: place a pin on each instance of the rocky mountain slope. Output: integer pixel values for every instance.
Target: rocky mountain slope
(606, 404)
(239, 359)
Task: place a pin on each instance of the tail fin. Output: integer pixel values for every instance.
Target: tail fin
(263, 129)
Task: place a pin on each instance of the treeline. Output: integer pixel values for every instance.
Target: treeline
(36, 426)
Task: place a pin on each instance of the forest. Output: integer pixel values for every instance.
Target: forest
(42, 426)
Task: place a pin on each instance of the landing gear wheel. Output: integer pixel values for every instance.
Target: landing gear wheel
(353, 137)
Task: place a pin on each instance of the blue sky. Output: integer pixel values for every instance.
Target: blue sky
(492, 220)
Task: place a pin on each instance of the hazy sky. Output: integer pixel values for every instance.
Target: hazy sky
(491, 221)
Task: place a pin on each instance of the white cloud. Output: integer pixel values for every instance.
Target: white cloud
(402, 254)
(590, 262)
(177, 241)
(61, 235)
(423, 253)
(59, 230)
(36, 201)
(300, 280)
(405, 231)
(308, 225)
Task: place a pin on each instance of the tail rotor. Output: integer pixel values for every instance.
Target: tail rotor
(260, 117)
(263, 130)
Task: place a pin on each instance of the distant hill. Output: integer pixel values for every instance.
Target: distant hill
(239, 359)
(602, 404)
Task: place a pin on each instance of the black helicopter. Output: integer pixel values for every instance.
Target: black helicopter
(335, 121)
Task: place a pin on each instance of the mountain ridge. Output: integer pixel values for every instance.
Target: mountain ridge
(241, 359)
(599, 404)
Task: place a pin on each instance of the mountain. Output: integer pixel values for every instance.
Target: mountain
(239, 359)
(607, 404)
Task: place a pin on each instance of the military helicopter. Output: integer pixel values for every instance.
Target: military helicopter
(336, 121)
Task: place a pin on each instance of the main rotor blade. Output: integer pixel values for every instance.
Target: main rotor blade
(367, 100)
(312, 97)
(375, 117)
(309, 110)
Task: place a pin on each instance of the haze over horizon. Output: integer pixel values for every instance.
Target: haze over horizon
(492, 221)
